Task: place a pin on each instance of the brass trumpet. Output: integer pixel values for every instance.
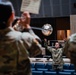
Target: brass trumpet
(46, 28)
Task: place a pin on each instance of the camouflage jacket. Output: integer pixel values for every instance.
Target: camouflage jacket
(15, 47)
(57, 55)
(70, 48)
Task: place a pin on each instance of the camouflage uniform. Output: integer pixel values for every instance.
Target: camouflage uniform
(70, 48)
(15, 49)
(57, 58)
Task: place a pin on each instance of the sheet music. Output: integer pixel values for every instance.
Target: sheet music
(31, 6)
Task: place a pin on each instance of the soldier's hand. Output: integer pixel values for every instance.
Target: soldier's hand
(25, 20)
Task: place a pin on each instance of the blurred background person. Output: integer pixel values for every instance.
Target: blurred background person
(70, 48)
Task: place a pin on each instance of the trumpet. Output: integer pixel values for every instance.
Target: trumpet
(46, 29)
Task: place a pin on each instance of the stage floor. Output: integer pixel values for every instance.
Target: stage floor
(46, 60)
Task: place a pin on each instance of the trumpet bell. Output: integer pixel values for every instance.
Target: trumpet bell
(47, 29)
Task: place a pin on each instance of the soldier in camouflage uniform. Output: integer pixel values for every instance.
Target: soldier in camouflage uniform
(70, 48)
(57, 53)
(16, 47)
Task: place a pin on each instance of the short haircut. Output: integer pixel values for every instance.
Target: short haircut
(6, 9)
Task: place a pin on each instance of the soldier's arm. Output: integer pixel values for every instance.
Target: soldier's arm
(26, 24)
(30, 38)
(49, 49)
(32, 45)
(32, 33)
(65, 47)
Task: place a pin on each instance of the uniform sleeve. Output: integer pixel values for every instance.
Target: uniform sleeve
(49, 49)
(65, 47)
(35, 49)
(32, 44)
(32, 33)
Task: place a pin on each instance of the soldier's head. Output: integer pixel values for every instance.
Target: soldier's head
(7, 14)
(57, 44)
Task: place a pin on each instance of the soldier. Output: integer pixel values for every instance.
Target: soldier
(15, 46)
(70, 48)
(57, 53)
